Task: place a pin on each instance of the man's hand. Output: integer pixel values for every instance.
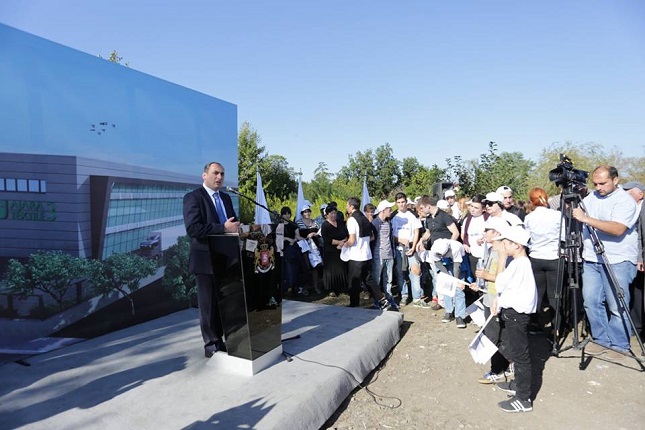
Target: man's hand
(580, 215)
(231, 226)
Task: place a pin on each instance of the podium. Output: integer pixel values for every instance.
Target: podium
(249, 301)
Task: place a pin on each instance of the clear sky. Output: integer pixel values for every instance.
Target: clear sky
(322, 80)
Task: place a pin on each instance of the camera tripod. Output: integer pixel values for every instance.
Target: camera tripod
(570, 256)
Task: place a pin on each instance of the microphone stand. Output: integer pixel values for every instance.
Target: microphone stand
(275, 215)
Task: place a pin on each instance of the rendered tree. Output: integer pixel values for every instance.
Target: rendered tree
(177, 279)
(121, 272)
(50, 272)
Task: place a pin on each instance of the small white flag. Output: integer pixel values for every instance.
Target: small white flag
(481, 348)
(447, 284)
(476, 312)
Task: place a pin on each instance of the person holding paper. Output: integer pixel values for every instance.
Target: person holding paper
(516, 300)
(500, 369)
(451, 253)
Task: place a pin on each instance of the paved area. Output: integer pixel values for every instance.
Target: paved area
(154, 376)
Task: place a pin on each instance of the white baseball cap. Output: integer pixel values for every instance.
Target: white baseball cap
(383, 204)
(515, 234)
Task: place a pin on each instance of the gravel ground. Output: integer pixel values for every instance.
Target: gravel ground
(429, 380)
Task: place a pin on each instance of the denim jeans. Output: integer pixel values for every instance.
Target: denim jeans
(599, 297)
(382, 273)
(457, 303)
(415, 280)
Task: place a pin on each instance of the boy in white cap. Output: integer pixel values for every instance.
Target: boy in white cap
(516, 300)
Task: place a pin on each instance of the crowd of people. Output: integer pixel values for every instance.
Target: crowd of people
(507, 253)
(490, 248)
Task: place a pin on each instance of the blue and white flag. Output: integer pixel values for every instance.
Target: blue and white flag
(365, 198)
(301, 202)
(262, 216)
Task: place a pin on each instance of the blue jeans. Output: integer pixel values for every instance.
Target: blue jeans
(415, 280)
(599, 297)
(382, 273)
(457, 303)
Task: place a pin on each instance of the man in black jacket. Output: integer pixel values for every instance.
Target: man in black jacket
(208, 211)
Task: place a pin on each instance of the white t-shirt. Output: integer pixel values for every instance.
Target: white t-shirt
(404, 225)
(360, 250)
(544, 226)
(516, 287)
(475, 232)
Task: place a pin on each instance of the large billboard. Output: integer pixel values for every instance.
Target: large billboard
(95, 158)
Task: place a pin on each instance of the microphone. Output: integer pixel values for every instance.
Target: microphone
(233, 190)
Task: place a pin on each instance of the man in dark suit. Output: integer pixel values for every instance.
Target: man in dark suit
(637, 191)
(208, 211)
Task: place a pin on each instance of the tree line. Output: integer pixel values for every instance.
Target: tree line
(386, 175)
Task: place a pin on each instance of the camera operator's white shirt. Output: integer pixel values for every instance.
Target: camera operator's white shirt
(620, 207)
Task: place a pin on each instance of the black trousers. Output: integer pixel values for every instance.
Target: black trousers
(498, 363)
(210, 320)
(357, 272)
(515, 347)
(545, 273)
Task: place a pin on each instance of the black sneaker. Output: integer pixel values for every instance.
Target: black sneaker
(515, 404)
(447, 317)
(509, 387)
(460, 322)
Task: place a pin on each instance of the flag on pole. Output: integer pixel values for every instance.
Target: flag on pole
(365, 198)
(262, 216)
(301, 199)
(481, 348)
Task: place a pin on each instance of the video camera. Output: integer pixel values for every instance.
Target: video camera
(565, 176)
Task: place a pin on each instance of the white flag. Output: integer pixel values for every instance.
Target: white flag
(447, 284)
(481, 348)
(262, 216)
(300, 202)
(365, 198)
(476, 312)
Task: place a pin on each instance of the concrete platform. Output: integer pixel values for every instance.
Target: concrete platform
(155, 376)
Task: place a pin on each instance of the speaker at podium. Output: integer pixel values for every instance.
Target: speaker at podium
(250, 301)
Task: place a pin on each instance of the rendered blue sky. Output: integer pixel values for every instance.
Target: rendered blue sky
(322, 80)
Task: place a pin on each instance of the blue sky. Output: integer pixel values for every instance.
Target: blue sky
(322, 80)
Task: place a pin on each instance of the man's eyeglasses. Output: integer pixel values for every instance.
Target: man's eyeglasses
(489, 204)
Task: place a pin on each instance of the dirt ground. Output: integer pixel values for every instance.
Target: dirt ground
(429, 380)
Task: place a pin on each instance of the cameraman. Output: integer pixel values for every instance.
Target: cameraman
(611, 212)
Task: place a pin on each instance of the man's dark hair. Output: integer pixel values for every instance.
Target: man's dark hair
(208, 165)
(400, 196)
(285, 210)
(354, 202)
(613, 172)
(478, 198)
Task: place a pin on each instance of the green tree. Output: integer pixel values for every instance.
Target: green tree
(251, 157)
(422, 179)
(279, 182)
(319, 189)
(382, 170)
(50, 272)
(491, 171)
(177, 279)
(121, 272)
